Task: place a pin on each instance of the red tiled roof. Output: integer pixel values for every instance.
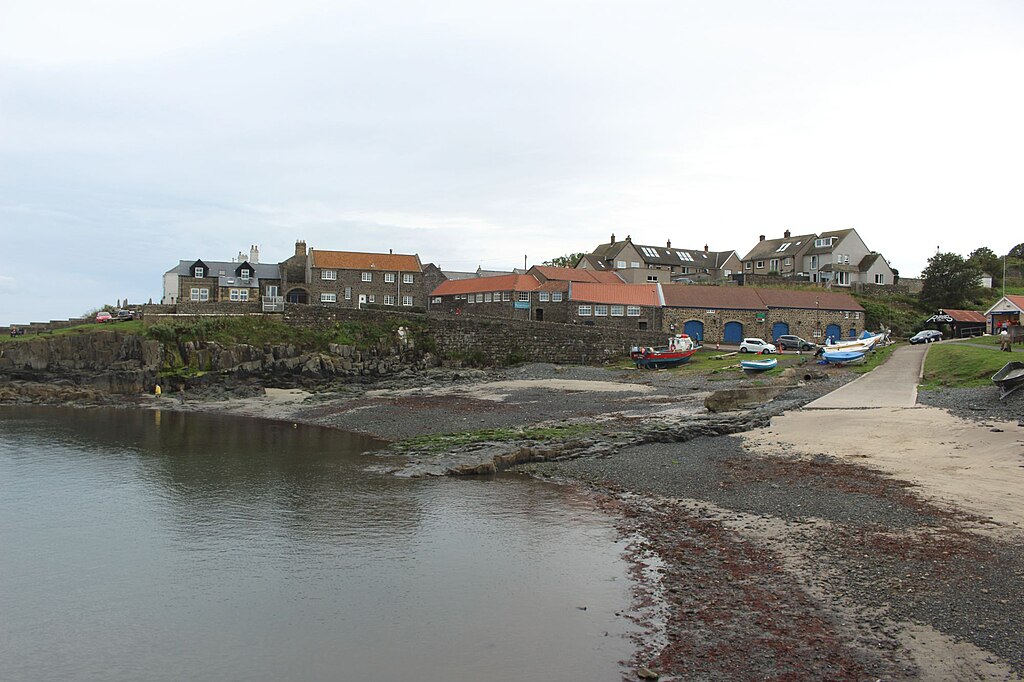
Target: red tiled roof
(553, 285)
(577, 275)
(724, 298)
(477, 285)
(1016, 300)
(808, 299)
(966, 315)
(352, 260)
(620, 294)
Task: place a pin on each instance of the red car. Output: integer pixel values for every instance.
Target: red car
(103, 316)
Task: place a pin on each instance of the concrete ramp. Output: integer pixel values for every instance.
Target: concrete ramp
(892, 384)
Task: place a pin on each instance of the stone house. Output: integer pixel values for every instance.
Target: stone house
(836, 258)
(640, 264)
(244, 281)
(729, 314)
(504, 296)
(621, 306)
(352, 279)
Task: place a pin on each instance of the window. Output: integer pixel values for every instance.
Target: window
(506, 295)
(585, 311)
(389, 277)
(787, 262)
(543, 296)
(652, 278)
(683, 255)
(328, 298)
(200, 272)
(238, 294)
(649, 251)
(773, 264)
(618, 310)
(879, 278)
(470, 299)
(367, 277)
(634, 264)
(407, 278)
(846, 259)
(600, 311)
(846, 314)
(814, 262)
(748, 265)
(244, 273)
(710, 311)
(348, 293)
(436, 299)
(194, 296)
(524, 295)
(479, 298)
(371, 299)
(407, 300)
(389, 300)
(759, 264)
(632, 311)
(818, 243)
(856, 315)
(556, 296)
(842, 278)
(329, 274)
(783, 247)
(487, 297)
(621, 265)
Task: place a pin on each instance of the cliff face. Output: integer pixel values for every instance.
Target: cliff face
(112, 351)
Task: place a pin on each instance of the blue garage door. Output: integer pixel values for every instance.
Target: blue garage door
(779, 329)
(834, 331)
(694, 329)
(733, 332)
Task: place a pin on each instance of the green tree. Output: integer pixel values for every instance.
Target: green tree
(987, 261)
(569, 260)
(1017, 251)
(950, 281)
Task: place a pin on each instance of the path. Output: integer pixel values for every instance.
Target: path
(892, 384)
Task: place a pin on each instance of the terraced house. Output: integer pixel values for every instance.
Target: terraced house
(244, 281)
(837, 258)
(352, 279)
(640, 264)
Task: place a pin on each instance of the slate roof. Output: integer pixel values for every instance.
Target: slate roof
(618, 294)
(658, 255)
(479, 285)
(354, 260)
(769, 248)
(836, 234)
(259, 270)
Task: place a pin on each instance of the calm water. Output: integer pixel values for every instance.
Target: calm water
(142, 545)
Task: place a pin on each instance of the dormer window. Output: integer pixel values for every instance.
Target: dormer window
(826, 241)
(200, 272)
(244, 274)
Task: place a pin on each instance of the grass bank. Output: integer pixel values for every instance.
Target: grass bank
(958, 365)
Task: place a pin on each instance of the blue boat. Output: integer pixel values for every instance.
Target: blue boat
(758, 365)
(844, 357)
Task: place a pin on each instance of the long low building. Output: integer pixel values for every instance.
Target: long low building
(712, 314)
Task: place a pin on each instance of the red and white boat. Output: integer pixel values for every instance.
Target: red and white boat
(679, 350)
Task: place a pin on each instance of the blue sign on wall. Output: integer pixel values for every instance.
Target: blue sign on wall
(522, 305)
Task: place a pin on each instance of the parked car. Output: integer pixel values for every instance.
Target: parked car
(757, 346)
(125, 315)
(103, 316)
(926, 336)
(684, 280)
(791, 342)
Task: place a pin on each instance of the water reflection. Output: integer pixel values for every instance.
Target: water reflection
(146, 545)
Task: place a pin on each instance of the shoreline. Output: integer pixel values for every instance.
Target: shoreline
(779, 555)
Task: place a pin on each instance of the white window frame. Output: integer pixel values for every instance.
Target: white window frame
(388, 299)
(506, 296)
(759, 265)
(620, 264)
(523, 296)
(556, 296)
(371, 298)
(326, 297)
(618, 310)
(366, 277)
(389, 277)
(244, 273)
(200, 273)
(841, 278)
(348, 293)
(585, 311)
(407, 301)
(652, 278)
(543, 296)
(408, 278)
(194, 294)
(632, 311)
(634, 264)
(329, 275)
(773, 264)
(487, 297)
(600, 310)
(436, 299)
(879, 278)
(749, 265)
(479, 298)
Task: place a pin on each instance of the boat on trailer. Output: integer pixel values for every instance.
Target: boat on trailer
(758, 365)
(1009, 378)
(679, 350)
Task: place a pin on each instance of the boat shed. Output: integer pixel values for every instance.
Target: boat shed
(963, 322)
(1007, 312)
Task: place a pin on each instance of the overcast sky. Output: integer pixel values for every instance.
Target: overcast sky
(137, 134)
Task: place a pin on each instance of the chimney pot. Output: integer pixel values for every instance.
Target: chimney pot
(762, 238)
(668, 244)
(613, 238)
(786, 234)
(705, 248)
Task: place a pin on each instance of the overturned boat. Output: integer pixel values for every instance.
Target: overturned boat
(1009, 378)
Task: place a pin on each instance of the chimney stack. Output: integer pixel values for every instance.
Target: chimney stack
(705, 248)
(613, 238)
(786, 234)
(762, 238)
(254, 254)
(391, 251)
(668, 244)
(300, 248)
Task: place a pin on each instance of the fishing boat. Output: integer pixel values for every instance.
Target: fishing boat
(844, 357)
(679, 350)
(1009, 378)
(758, 365)
(866, 342)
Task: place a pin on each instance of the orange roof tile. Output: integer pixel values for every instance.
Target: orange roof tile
(476, 285)
(622, 294)
(352, 260)
(1016, 300)
(577, 275)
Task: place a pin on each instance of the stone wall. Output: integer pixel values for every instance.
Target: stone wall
(809, 324)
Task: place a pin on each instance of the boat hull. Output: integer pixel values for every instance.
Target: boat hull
(663, 359)
(758, 365)
(841, 357)
(1009, 378)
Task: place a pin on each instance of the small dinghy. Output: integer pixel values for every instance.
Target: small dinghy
(758, 365)
(1009, 378)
